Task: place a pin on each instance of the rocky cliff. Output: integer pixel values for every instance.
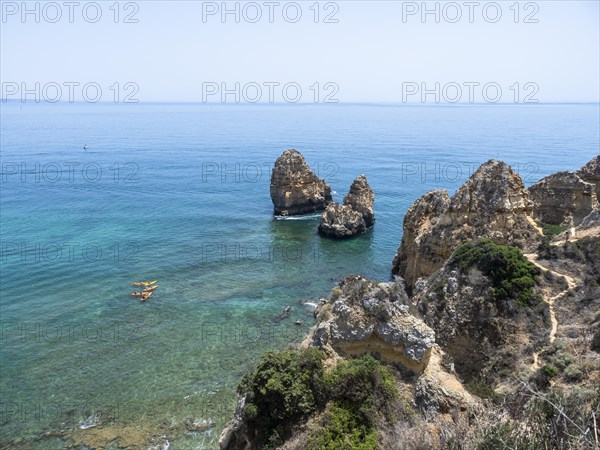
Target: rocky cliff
(410, 381)
(295, 188)
(483, 301)
(591, 173)
(563, 199)
(491, 348)
(366, 317)
(493, 204)
(354, 216)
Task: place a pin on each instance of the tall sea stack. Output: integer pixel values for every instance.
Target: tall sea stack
(295, 188)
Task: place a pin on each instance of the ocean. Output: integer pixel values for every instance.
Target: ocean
(179, 193)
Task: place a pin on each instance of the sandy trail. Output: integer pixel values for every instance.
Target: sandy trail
(571, 284)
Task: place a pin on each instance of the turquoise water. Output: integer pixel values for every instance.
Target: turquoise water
(180, 193)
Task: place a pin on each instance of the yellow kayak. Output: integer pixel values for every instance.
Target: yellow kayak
(146, 296)
(150, 288)
(137, 294)
(144, 283)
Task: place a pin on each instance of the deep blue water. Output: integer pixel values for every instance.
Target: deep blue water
(180, 193)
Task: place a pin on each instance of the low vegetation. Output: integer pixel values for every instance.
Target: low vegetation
(553, 420)
(550, 231)
(350, 400)
(512, 275)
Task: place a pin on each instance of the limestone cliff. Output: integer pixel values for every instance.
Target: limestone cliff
(563, 199)
(361, 317)
(366, 317)
(591, 173)
(493, 204)
(295, 188)
(483, 301)
(496, 345)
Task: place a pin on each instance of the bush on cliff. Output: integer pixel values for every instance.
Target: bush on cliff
(512, 275)
(341, 428)
(289, 386)
(282, 390)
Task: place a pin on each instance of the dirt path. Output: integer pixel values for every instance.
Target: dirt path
(571, 284)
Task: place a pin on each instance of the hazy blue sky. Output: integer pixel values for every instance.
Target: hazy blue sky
(369, 53)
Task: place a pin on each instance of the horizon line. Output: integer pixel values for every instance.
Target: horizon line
(351, 103)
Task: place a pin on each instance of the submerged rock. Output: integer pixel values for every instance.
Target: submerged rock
(493, 204)
(354, 216)
(563, 199)
(295, 188)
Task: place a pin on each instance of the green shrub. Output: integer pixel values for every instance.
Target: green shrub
(281, 390)
(481, 389)
(289, 386)
(364, 384)
(574, 373)
(341, 428)
(551, 230)
(512, 275)
(543, 376)
(558, 355)
(550, 371)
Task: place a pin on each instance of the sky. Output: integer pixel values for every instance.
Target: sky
(346, 51)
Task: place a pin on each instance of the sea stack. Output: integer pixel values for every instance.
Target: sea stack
(295, 188)
(354, 216)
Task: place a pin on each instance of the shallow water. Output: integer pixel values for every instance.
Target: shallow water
(180, 193)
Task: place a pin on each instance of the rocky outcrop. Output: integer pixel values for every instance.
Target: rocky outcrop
(563, 199)
(362, 317)
(295, 188)
(354, 216)
(592, 220)
(591, 173)
(360, 198)
(366, 317)
(235, 435)
(475, 319)
(493, 204)
(341, 221)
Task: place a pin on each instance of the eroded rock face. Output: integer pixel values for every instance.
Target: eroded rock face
(366, 317)
(476, 329)
(419, 252)
(295, 188)
(493, 204)
(235, 435)
(341, 221)
(360, 198)
(354, 216)
(563, 199)
(592, 220)
(591, 173)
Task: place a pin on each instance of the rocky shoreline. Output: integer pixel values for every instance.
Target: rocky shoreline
(492, 311)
